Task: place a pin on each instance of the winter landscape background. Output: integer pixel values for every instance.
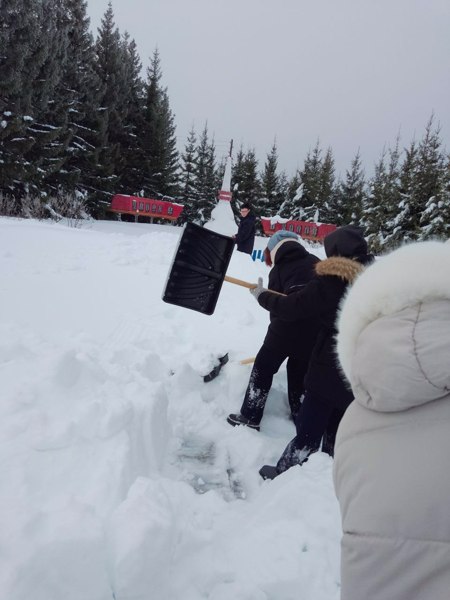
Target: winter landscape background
(86, 112)
(120, 477)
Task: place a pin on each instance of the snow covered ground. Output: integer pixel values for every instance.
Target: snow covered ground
(120, 478)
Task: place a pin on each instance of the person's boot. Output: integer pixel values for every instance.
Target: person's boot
(268, 472)
(240, 420)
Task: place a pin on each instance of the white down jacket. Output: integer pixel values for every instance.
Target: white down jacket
(392, 455)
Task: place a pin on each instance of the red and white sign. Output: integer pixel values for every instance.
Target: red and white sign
(146, 207)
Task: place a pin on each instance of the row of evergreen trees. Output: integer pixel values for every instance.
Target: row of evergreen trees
(407, 198)
(76, 117)
(75, 112)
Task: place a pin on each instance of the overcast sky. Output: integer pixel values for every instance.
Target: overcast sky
(351, 73)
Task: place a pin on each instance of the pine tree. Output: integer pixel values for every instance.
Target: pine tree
(110, 69)
(372, 214)
(291, 207)
(54, 41)
(311, 177)
(133, 161)
(212, 179)
(159, 139)
(78, 95)
(435, 219)
(269, 201)
(329, 211)
(251, 184)
(187, 180)
(51, 110)
(21, 53)
(400, 225)
(21, 57)
(351, 195)
(383, 200)
(429, 183)
(439, 212)
(205, 193)
(391, 200)
(436, 214)
(283, 191)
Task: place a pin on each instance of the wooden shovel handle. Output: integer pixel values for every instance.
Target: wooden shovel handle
(248, 285)
(247, 361)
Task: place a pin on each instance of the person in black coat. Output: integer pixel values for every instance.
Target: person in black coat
(327, 395)
(293, 268)
(245, 237)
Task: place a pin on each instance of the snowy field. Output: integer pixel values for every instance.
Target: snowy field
(120, 477)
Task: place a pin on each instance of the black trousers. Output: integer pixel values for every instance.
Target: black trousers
(267, 363)
(317, 420)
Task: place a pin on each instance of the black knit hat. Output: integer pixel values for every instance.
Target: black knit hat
(246, 205)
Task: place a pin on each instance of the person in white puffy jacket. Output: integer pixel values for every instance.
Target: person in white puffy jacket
(392, 454)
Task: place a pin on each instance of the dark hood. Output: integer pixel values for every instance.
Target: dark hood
(347, 241)
(290, 250)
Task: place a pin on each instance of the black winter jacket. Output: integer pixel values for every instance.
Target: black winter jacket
(293, 269)
(320, 299)
(245, 237)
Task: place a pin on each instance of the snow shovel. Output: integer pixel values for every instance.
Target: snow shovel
(198, 269)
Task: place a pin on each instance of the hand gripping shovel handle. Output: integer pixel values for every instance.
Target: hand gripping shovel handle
(248, 285)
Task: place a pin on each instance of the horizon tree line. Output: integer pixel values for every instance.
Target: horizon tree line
(78, 120)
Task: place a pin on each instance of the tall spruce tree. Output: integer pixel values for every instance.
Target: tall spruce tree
(159, 135)
(133, 162)
(283, 191)
(51, 130)
(438, 209)
(188, 194)
(311, 177)
(269, 201)
(251, 183)
(79, 94)
(383, 200)
(22, 54)
(400, 226)
(328, 200)
(435, 219)
(205, 193)
(391, 198)
(110, 69)
(291, 207)
(429, 181)
(372, 213)
(350, 195)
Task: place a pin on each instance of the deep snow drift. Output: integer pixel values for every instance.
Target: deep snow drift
(120, 476)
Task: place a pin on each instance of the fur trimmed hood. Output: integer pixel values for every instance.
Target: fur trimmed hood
(394, 328)
(338, 266)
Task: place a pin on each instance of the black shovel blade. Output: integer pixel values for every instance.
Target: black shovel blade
(198, 269)
(213, 374)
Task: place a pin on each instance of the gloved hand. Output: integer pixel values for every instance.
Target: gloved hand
(259, 289)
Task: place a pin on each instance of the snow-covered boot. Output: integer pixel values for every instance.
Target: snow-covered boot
(268, 472)
(240, 420)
